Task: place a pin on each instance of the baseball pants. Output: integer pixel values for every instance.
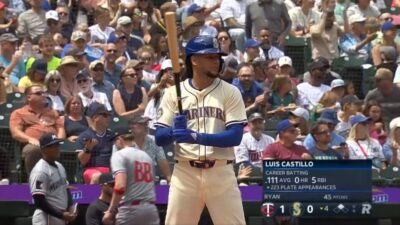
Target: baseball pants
(41, 218)
(143, 214)
(193, 188)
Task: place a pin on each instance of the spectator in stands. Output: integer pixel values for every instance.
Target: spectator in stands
(145, 142)
(338, 86)
(46, 47)
(267, 51)
(233, 14)
(8, 25)
(65, 19)
(53, 22)
(351, 105)
(96, 69)
(10, 58)
(389, 32)
(377, 129)
(146, 55)
(96, 209)
(324, 35)
(202, 13)
(301, 117)
(388, 56)
(79, 40)
(285, 66)
(191, 28)
(303, 17)
(229, 69)
(94, 146)
(68, 68)
(75, 121)
(329, 100)
(140, 81)
(252, 50)
(271, 13)
(86, 93)
(155, 18)
(259, 70)
(129, 99)
(391, 149)
(228, 46)
(285, 148)
(311, 92)
(101, 30)
(340, 11)
(356, 43)
(386, 93)
(120, 41)
(328, 116)
(249, 152)
(111, 68)
(252, 93)
(271, 71)
(361, 145)
(140, 34)
(322, 149)
(280, 97)
(52, 82)
(363, 8)
(159, 44)
(29, 123)
(32, 23)
(35, 76)
(125, 26)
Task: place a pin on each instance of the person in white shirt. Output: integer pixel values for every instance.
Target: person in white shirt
(86, 93)
(361, 145)
(311, 92)
(303, 17)
(100, 32)
(364, 8)
(253, 142)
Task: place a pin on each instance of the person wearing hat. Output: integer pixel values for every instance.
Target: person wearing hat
(94, 146)
(7, 24)
(87, 94)
(128, 25)
(286, 148)
(391, 149)
(129, 99)
(120, 40)
(386, 93)
(96, 70)
(356, 43)
(351, 106)
(338, 86)
(35, 76)
(46, 47)
(49, 185)
(389, 33)
(311, 92)
(11, 59)
(301, 117)
(134, 184)
(251, 50)
(364, 8)
(328, 116)
(202, 14)
(388, 55)
(329, 74)
(32, 22)
(285, 65)
(191, 27)
(361, 145)
(214, 122)
(165, 79)
(96, 209)
(249, 152)
(53, 22)
(68, 68)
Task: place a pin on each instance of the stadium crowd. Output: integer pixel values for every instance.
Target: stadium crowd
(81, 63)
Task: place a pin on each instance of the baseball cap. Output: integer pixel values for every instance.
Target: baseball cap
(284, 125)
(77, 35)
(124, 20)
(301, 112)
(337, 83)
(255, 116)
(121, 130)
(285, 60)
(388, 25)
(52, 14)
(358, 119)
(190, 21)
(48, 139)
(106, 178)
(39, 65)
(93, 64)
(114, 36)
(200, 45)
(395, 123)
(316, 64)
(83, 73)
(133, 63)
(67, 60)
(350, 99)
(139, 119)
(8, 37)
(329, 116)
(251, 43)
(166, 64)
(356, 18)
(2, 5)
(194, 8)
(95, 109)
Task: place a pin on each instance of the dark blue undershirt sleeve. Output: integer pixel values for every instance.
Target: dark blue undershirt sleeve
(232, 136)
(163, 136)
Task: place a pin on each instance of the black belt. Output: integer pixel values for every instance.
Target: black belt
(204, 164)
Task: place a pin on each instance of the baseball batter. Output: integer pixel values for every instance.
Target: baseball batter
(134, 195)
(48, 183)
(204, 136)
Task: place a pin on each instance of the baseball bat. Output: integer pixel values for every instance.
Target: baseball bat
(173, 47)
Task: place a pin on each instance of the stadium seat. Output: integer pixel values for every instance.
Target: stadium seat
(117, 122)
(14, 209)
(16, 99)
(391, 172)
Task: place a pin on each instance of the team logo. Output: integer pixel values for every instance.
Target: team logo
(268, 209)
(297, 209)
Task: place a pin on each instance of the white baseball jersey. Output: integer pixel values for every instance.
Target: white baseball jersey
(250, 149)
(50, 181)
(138, 167)
(210, 111)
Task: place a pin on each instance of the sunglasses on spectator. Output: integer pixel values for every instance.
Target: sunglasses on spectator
(112, 50)
(39, 93)
(130, 75)
(223, 38)
(82, 81)
(55, 80)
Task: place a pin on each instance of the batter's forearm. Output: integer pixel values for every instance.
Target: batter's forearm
(228, 138)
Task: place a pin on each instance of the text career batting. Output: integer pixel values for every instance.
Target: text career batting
(295, 164)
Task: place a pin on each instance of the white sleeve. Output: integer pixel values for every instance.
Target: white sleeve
(226, 10)
(38, 182)
(117, 163)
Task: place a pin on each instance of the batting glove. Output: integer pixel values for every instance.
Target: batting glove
(186, 136)
(180, 122)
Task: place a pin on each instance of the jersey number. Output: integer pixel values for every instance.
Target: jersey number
(143, 172)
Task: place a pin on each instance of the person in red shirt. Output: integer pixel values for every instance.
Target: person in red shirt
(285, 148)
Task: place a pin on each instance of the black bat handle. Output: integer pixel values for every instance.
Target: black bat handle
(178, 92)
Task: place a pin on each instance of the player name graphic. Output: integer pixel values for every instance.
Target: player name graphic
(289, 163)
(210, 112)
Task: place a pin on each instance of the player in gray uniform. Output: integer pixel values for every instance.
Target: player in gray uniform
(48, 183)
(134, 195)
